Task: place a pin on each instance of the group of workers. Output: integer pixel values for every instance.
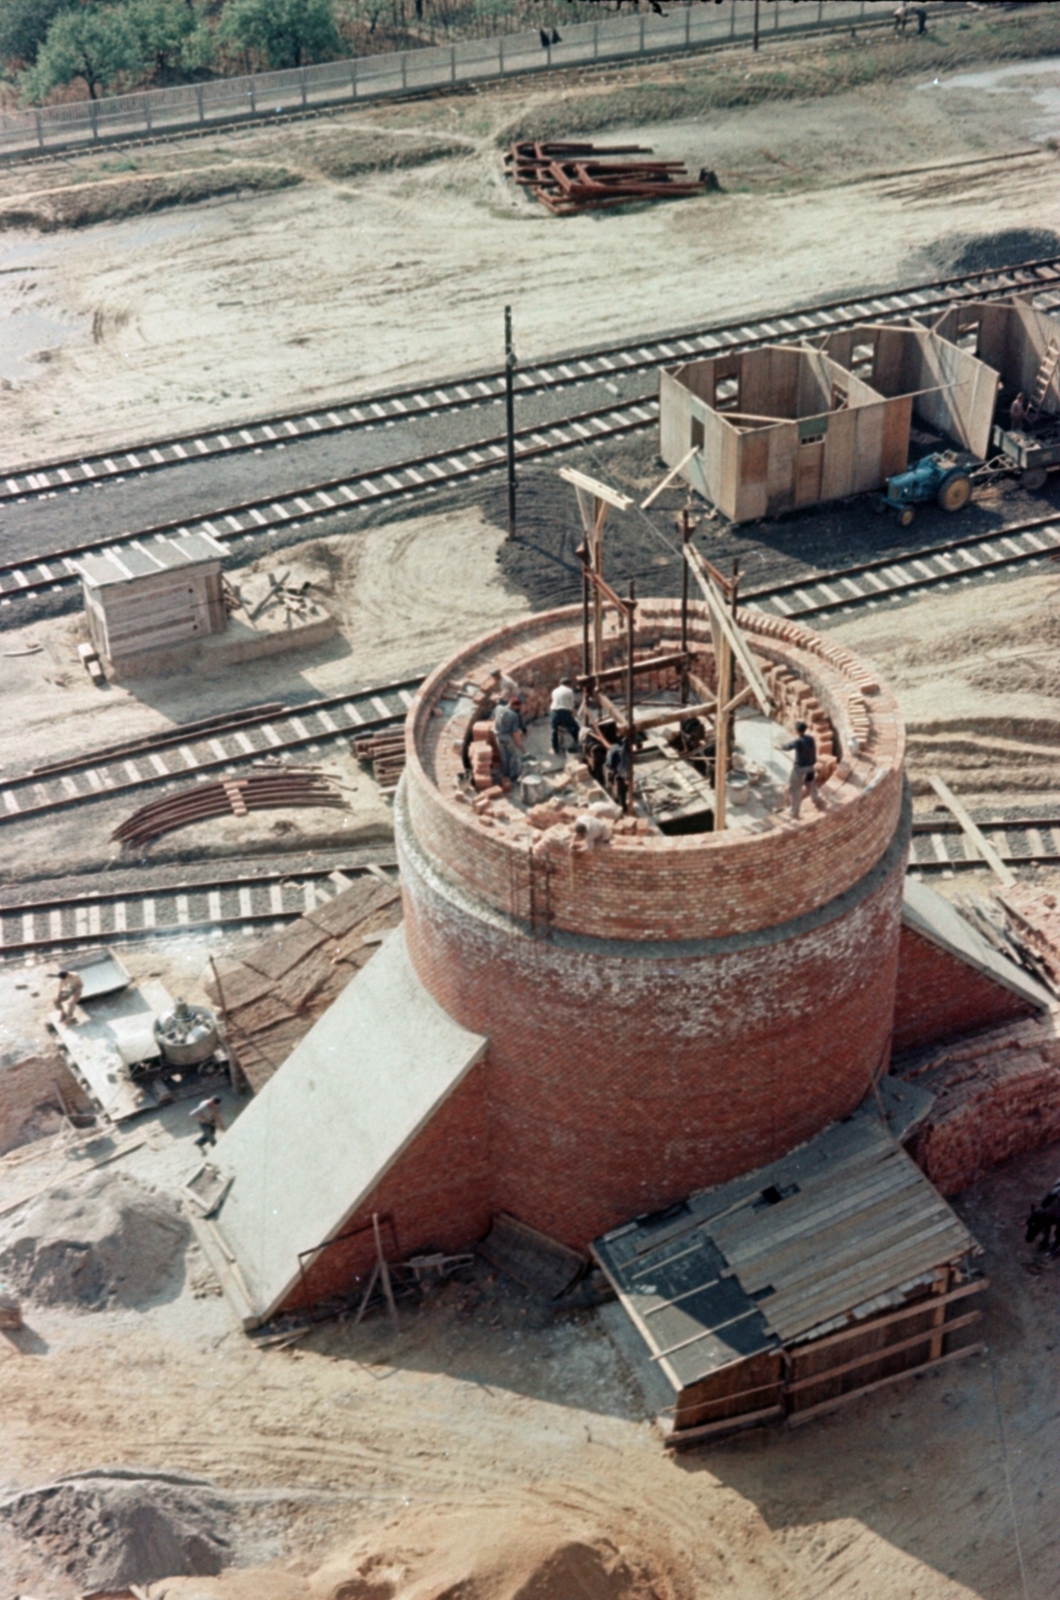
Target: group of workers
(609, 755)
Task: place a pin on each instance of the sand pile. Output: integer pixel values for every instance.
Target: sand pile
(117, 1525)
(498, 1554)
(108, 1240)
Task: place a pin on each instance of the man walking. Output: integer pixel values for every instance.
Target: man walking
(562, 708)
(208, 1115)
(804, 770)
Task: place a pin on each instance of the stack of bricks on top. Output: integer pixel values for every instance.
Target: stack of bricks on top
(795, 700)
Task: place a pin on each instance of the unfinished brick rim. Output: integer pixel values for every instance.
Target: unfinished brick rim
(781, 872)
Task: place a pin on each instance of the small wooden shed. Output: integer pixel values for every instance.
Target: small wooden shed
(794, 1289)
(152, 595)
(785, 426)
(1012, 337)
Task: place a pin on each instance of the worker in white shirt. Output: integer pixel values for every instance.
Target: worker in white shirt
(563, 715)
(208, 1115)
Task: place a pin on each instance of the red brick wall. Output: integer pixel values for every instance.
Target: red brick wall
(995, 1096)
(703, 885)
(939, 997)
(437, 1193)
(617, 1084)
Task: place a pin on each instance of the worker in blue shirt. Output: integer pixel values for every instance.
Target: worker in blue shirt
(804, 769)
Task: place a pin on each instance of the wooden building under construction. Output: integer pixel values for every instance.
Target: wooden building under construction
(1020, 343)
(764, 431)
(794, 1289)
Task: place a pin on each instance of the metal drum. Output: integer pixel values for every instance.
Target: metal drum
(187, 1035)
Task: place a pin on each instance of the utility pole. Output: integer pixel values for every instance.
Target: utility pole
(754, 45)
(509, 411)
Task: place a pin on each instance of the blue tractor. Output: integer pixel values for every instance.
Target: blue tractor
(944, 477)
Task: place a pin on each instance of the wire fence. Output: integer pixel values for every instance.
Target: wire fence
(85, 123)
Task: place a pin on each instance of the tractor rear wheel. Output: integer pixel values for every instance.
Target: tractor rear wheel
(1034, 478)
(905, 516)
(955, 491)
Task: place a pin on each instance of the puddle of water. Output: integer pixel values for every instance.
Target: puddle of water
(996, 80)
(23, 336)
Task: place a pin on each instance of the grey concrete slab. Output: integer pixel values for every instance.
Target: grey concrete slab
(334, 1119)
(936, 919)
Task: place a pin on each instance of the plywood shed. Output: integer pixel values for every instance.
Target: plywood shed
(1013, 338)
(788, 425)
(153, 596)
(796, 1288)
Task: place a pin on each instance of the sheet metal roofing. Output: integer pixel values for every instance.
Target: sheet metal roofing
(768, 1258)
(146, 559)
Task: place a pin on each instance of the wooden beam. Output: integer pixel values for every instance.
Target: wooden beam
(798, 1417)
(867, 1357)
(669, 478)
(599, 491)
(613, 674)
(659, 719)
(725, 623)
(721, 728)
(746, 1419)
(985, 851)
(857, 1329)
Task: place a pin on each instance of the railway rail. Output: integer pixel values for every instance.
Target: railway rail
(488, 388)
(267, 734)
(940, 848)
(272, 899)
(264, 899)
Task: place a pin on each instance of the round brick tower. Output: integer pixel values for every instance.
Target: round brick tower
(663, 1012)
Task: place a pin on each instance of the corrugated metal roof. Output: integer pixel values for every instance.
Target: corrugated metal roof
(145, 559)
(765, 1259)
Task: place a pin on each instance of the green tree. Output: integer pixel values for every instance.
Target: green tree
(164, 29)
(97, 46)
(286, 33)
(24, 27)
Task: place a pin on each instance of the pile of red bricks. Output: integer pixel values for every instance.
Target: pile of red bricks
(996, 1096)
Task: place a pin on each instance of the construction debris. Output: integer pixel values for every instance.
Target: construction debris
(230, 797)
(568, 178)
(386, 752)
(274, 995)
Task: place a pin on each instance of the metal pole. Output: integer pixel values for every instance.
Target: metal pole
(631, 612)
(509, 414)
(754, 43)
(685, 536)
(585, 615)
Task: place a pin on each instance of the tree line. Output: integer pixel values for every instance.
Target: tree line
(48, 44)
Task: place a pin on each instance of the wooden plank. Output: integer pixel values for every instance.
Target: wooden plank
(883, 1351)
(719, 611)
(599, 491)
(749, 1419)
(985, 850)
(798, 1417)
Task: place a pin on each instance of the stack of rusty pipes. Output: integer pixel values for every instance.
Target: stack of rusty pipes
(568, 178)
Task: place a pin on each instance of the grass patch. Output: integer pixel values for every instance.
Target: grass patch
(107, 200)
(698, 85)
(347, 155)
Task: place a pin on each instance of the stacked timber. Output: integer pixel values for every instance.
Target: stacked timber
(386, 752)
(154, 595)
(274, 994)
(568, 178)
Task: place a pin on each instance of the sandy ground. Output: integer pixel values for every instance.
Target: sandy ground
(239, 307)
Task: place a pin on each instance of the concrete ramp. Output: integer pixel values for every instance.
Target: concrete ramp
(332, 1121)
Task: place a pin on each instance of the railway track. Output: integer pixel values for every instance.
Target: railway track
(24, 581)
(272, 899)
(265, 899)
(939, 848)
(259, 735)
(605, 363)
(263, 734)
(888, 579)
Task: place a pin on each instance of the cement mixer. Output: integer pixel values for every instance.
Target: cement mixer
(187, 1035)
